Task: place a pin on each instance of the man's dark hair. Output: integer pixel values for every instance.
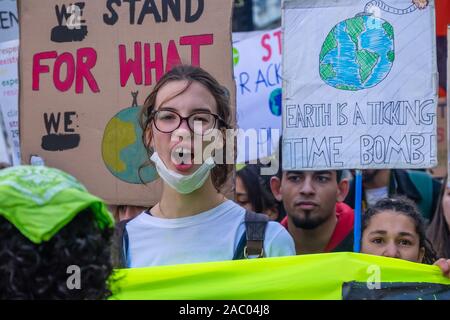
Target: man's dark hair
(406, 207)
(279, 153)
(32, 271)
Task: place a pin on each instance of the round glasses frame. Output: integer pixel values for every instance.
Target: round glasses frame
(217, 119)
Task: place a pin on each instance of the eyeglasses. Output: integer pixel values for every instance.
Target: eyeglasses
(200, 123)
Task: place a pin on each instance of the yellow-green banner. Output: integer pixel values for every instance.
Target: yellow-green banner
(320, 276)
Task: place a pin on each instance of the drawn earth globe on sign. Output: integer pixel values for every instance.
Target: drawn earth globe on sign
(122, 148)
(358, 53)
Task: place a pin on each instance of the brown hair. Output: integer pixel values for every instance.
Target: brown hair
(220, 172)
(438, 232)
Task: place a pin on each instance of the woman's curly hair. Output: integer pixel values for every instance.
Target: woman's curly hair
(31, 271)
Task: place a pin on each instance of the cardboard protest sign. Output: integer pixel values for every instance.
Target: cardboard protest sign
(87, 66)
(9, 22)
(9, 93)
(359, 84)
(257, 72)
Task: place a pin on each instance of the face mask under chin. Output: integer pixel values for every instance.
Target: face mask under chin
(184, 184)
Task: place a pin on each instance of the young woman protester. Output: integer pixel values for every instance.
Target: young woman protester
(193, 221)
(393, 227)
(438, 231)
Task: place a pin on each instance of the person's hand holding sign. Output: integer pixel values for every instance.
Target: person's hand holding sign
(420, 4)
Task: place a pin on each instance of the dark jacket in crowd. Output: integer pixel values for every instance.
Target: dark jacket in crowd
(401, 183)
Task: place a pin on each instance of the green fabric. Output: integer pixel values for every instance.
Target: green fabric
(40, 201)
(317, 276)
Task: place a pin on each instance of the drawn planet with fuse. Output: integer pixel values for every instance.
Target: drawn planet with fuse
(358, 53)
(123, 151)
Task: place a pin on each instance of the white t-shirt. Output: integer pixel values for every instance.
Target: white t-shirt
(212, 235)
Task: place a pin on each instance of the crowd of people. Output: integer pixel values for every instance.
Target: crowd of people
(49, 221)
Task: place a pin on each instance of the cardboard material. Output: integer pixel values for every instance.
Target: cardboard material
(86, 66)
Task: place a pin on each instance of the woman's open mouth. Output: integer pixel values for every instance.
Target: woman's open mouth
(182, 158)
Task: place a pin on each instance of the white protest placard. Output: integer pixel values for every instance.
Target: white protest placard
(359, 84)
(9, 93)
(4, 155)
(9, 21)
(257, 73)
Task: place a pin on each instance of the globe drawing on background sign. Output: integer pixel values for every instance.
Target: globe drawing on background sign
(275, 102)
(122, 149)
(358, 53)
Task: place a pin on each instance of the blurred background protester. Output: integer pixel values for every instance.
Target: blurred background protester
(3, 165)
(439, 229)
(254, 194)
(125, 212)
(55, 237)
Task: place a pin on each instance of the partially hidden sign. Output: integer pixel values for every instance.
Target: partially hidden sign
(86, 68)
(257, 71)
(360, 84)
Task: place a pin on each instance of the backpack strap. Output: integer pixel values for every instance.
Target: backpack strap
(121, 244)
(239, 253)
(424, 185)
(252, 241)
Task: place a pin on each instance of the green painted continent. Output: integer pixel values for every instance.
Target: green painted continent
(391, 56)
(389, 30)
(346, 87)
(367, 61)
(329, 44)
(327, 71)
(355, 27)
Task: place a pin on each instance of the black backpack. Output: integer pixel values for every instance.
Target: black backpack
(250, 244)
